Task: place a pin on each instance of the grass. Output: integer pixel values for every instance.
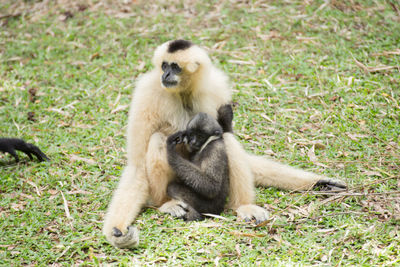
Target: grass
(307, 93)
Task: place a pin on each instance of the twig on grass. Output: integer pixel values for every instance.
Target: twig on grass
(66, 206)
(354, 194)
(367, 69)
(236, 233)
(375, 182)
(6, 16)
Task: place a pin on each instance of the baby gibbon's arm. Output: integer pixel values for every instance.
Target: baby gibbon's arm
(202, 180)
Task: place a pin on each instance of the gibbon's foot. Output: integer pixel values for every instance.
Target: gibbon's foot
(175, 208)
(327, 184)
(128, 240)
(252, 212)
(116, 232)
(192, 215)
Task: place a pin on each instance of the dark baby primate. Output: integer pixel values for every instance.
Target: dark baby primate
(202, 177)
(10, 145)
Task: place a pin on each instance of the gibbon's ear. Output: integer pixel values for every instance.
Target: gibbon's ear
(192, 67)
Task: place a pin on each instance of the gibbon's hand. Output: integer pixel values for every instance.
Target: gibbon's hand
(327, 184)
(128, 240)
(225, 117)
(176, 138)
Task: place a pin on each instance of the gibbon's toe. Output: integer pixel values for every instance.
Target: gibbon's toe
(250, 213)
(116, 232)
(175, 208)
(328, 184)
(128, 240)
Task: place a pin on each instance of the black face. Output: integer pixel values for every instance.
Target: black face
(171, 71)
(195, 139)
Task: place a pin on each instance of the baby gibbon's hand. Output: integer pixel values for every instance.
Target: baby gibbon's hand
(176, 138)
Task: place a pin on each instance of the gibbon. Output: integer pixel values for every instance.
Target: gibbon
(202, 183)
(183, 83)
(10, 145)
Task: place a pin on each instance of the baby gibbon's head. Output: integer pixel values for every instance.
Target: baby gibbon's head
(200, 129)
(180, 64)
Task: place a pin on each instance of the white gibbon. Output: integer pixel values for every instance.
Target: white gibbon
(183, 83)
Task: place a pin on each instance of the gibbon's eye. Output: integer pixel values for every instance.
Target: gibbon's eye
(164, 65)
(217, 133)
(175, 67)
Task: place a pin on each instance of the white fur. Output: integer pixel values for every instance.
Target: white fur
(156, 113)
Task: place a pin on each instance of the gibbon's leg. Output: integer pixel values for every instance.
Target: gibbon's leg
(128, 199)
(270, 173)
(242, 194)
(185, 194)
(159, 173)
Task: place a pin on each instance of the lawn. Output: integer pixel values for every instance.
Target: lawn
(316, 84)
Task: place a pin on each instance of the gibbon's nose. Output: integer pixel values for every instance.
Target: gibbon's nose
(166, 75)
(193, 141)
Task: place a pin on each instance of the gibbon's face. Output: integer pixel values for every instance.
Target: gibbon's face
(171, 74)
(199, 129)
(178, 62)
(195, 139)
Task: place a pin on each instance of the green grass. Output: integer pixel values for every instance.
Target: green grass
(296, 82)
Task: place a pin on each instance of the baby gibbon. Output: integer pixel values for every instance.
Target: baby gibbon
(202, 183)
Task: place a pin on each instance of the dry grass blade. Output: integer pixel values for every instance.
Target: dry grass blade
(235, 233)
(367, 69)
(66, 209)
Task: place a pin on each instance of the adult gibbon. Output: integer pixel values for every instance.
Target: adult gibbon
(202, 183)
(183, 83)
(10, 145)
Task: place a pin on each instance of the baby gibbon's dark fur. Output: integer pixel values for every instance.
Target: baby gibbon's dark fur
(10, 145)
(225, 117)
(203, 179)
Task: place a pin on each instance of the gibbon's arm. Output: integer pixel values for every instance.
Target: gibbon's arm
(10, 145)
(202, 181)
(143, 122)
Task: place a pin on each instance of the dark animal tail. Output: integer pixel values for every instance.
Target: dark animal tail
(37, 152)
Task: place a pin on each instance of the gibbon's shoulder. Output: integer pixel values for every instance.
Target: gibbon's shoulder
(215, 90)
(148, 81)
(147, 85)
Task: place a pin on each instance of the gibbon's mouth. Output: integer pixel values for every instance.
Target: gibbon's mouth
(169, 84)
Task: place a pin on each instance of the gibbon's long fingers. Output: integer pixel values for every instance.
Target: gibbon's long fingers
(175, 208)
(252, 212)
(330, 184)
(128, 240)
(116, 232)
(127, 201)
